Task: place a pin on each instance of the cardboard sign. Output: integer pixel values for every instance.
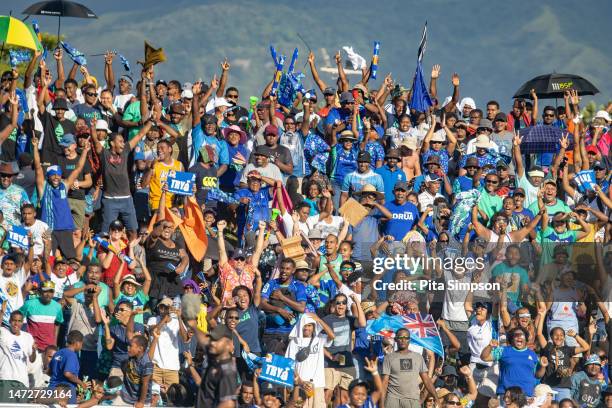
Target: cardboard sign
(180, 182)
(278, 370)
(292, 248)
(18, 236)
(353, 211)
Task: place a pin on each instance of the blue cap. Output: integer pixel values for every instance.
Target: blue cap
(67, 140)
(54, 171)
(592, 359)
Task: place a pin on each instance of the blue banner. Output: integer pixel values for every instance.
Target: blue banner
(180, 182)
(18, 236)
(277, 370)
(585, 180)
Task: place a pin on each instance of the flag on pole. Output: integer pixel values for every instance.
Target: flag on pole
(420, 101)
(423, 44)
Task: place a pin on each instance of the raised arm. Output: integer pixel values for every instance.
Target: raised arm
(516, 152)
(77, 171)
(481, 230)
(221, 242)
(38, 170)
(534, 112)
(315, 74)
(109, 75)
(225, 66)
(455, 98)
(141, 134)
(27, 76)
(565, 183)
(433, 82)
(259, 246)
(344, 84)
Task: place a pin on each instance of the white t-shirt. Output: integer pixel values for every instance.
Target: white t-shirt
(471, 147)
(15, 352)
(62, 283)
(120, 100)
(38, 228)
(479, 337)
(453, 308)
(271, 170)
(166, 354)
(531, 192)
(10, 288)
(313, 368)
(326, 228)
(346, 291)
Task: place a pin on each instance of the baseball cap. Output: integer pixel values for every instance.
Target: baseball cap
(271, 130)
(346, 97)
(364, 157)
(261, 151)
(116, 225)
(430, 178)
(536, 171)
(433, 159)
(592, 359)
(187, 94)
(329, 91)
(519, 191)
(238, 253)
(219, 332)
(550, 181)
(599, 165)
(67, 140)
(542, 390)
(591, 149)
(485, 124)
(393, 153)
(501, 164)
(500, 117)
(358, 382)
(161, 82)
(401, 185)
(254, 174)
(449, 370)
(47, 285)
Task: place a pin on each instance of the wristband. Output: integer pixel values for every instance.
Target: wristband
(375, 373)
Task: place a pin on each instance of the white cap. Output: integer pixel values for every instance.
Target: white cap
(222, 102)
(602, 114)
(101, 124)
(542, 390)
(187, 93)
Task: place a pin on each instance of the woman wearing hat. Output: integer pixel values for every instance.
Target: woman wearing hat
(343, 159)
(238, 155)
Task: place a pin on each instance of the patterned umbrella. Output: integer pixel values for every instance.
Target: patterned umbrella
(14, 32)
(543, 139)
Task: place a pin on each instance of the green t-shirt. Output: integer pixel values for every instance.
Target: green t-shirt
(102, 296)
(489, 203)
(139, 300)
(558, 206)
(549, 237)
(513, 276)
(132, 114)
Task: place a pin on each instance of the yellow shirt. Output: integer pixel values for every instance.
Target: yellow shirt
(583, 251)
(158, 178)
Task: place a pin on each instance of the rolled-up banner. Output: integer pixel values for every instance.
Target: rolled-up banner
(374, 67)
(278, 75)
(273, 53)
(17, 57)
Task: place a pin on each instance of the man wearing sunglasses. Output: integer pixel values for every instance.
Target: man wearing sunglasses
(12, 196)
(401, 372)
(89, 109)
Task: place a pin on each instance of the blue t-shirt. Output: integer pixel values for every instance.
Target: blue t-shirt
(294, 289)
(119, 334)
(389, 179)
(343, 162)
(199, 139)
(238, 159)
(259, 203)
(365, 234)
(248, 328)
(405, 216)
(355, 181)
(65, 360)
(516, 368)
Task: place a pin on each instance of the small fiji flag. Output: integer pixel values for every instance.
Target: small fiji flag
(374, 65)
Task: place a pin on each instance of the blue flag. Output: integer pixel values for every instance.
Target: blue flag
(421, 100)
(585, 180)
(180, 182)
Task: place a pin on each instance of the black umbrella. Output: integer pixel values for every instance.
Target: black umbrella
(59, 8)
(554, 85)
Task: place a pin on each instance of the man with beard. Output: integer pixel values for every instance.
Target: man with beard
(219, 385)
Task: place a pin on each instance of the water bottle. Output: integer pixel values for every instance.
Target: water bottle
(106, 245)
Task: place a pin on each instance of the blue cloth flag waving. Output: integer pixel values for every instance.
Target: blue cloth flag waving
(421, 101)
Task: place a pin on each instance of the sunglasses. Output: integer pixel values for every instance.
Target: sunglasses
(232, 96)
(436, 142)
(492, 181)
(457, 403)
(403, 338)
(232, 318)
(549, 115)
(341, 303)
(91, 94)
(6, 175)
(240, 259)
(444, 242)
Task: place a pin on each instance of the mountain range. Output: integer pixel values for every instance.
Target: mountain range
(493, 46)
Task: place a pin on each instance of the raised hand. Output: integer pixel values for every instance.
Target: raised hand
(108, 57)
(517, 139)
(533, 94)
(214, 83)
(544, 361)
(455, 79)
(465, 370)
(564, 142)
(196, 88)
(371, 365)
(225, 65)
(435, 71)
(311, 57)
(338, 57)
(221, 225)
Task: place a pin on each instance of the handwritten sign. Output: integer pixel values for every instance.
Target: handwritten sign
(278, 370)
(180, 182)
(585, 180)
(18, 236)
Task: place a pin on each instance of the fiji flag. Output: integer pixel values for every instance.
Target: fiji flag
(421, 100)
(423, 329)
